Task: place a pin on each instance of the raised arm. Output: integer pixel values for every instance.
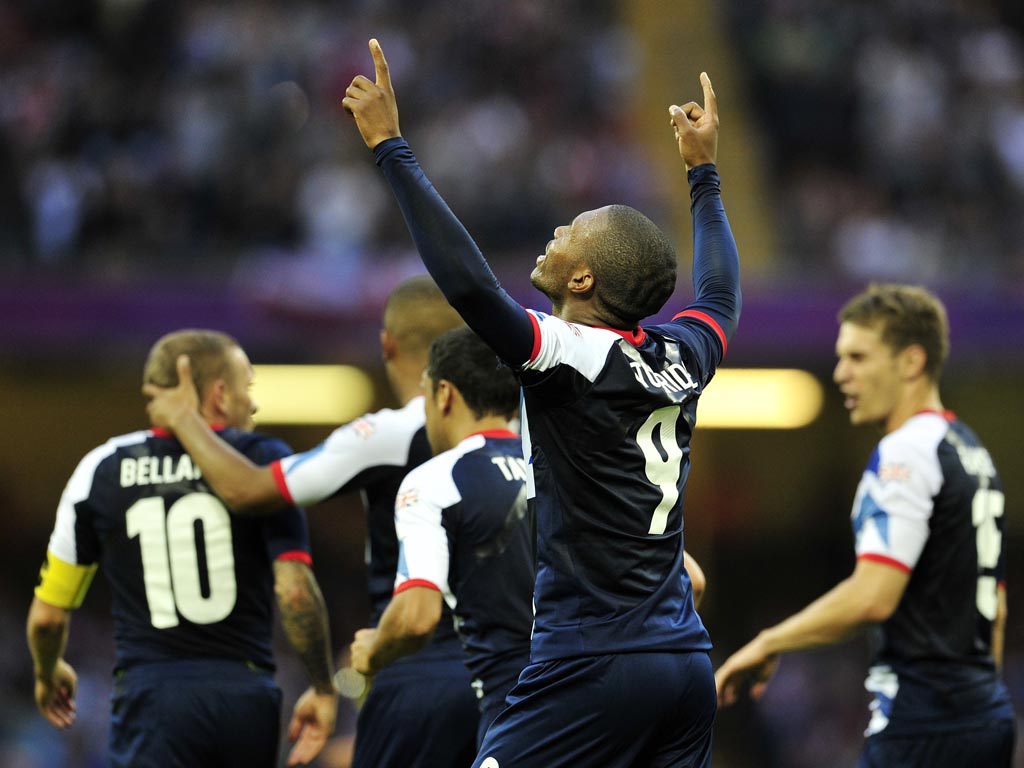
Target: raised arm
(244, 486)
(716, 268)
(304, 618)
(448, 251)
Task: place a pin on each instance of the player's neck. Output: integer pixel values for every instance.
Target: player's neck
(923, 396)
(581, 312)
(463, 428)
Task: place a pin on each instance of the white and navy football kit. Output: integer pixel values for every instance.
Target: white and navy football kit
(931, 504)
(607, 417)
(192, 590)
(464, 529)
(395, 726)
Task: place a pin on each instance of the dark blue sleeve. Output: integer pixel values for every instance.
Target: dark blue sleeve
(716, 263)
(453, 259)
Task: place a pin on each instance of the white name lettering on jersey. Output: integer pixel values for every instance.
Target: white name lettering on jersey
(150, 470)
(976, 461)
(511, 467)
(673, 379)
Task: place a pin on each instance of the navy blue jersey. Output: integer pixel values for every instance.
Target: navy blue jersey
(464, 529)
(608, 418)
(371, 454)
(931, 503)
(188, 579)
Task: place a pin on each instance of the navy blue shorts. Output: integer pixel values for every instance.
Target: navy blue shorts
(194, 713)
(622, 710)
(990, 746)
(419, 713)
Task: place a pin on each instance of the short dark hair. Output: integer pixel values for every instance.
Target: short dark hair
(634, 265)
(487, 386)
(207, 351)
(906, 315)
(417, 312)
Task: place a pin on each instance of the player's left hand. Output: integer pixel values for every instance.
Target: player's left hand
(55, 697)
(373, 104)
(750, 664)
(312, 725)
(361, 649)
(696, 127)
(168, 404)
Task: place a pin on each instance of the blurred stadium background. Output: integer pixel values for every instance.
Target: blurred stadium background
(172, 163)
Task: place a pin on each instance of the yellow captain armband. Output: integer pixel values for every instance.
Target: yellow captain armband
(63, 585)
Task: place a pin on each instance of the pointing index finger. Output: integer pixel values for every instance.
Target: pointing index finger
(380, 65)
(710, 100)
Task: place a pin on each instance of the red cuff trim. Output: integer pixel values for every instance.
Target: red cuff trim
(157, 432)
(705, 318)
(536, 336)
(1002, 584)
(297, 554)
(282, 485)
(416, 583)
(886, 561)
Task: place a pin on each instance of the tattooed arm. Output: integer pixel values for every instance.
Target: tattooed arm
(304, 617)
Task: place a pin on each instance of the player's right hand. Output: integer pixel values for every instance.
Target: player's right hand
(56, 697)
(168, 404)
(373, 104)
(312, 724)
(696, 127)
(750, 665)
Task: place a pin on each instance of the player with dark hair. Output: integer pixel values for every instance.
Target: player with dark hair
(620, 673)
(192, 588)
(928, 525)
(465, 535)
(420, 713)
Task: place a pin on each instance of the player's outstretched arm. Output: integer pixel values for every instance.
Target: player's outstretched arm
(447, 249)
(244, 486)
(406, 627)
(716, 267)
(304, 618)
(56, 681)
(869, 596)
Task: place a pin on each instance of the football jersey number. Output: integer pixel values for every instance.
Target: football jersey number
(987, 506)
(170, 558)
(663, 465)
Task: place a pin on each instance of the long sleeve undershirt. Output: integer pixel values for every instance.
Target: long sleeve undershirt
(458, 267)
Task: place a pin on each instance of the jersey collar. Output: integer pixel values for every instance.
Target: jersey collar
(635, 337)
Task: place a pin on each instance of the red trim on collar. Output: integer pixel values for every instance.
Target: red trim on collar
(158, 432)
(492, 433)
(635, 337)
(947, 415)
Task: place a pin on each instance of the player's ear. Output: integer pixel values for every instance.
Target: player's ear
(214, 401)
(444, 396)
(388, 347)
(581, 281)
(913, 360)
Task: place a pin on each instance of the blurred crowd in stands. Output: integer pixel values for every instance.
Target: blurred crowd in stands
(895, 134)
(203, 139)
